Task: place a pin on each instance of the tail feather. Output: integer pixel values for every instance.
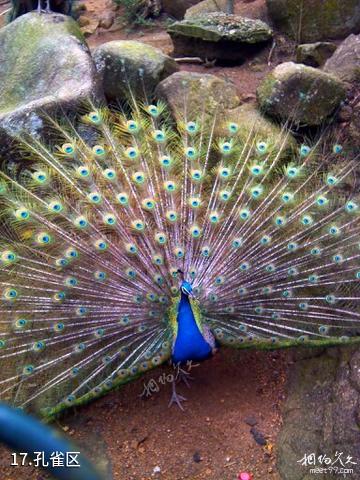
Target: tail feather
(100, 219)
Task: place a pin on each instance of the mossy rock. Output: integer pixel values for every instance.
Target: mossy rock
(321, 415)
(220, 36)
(314, 20)
(345, 62)
(206, 6)
(202, 94)
(123, 64)
(44, 65)
(314, 54)
(304, 95)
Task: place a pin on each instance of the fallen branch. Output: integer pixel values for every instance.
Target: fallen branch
(197, 60)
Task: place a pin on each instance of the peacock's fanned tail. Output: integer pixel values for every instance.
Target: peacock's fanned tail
(98, 220)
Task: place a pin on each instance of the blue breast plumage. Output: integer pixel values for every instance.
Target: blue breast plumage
(190, 343)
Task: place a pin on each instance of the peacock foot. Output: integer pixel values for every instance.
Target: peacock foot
(176, 398)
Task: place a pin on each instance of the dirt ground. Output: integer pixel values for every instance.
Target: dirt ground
(233, 406)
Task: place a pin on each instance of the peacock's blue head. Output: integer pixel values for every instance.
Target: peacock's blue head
(186, 288)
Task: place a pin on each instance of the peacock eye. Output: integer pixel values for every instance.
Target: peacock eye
(304, 150)
(139, 177)
(153, 110)
(165, 161)
(237, 242)
(8, 256)
(191, 152)
(123, 198)
(292, 172)
(196, 175)
(224, 172)
(191, 127)
(331, 180)
(138, 225)
(98, 150)
(262, 147)
(159, 136)
(171, 216)
(40, 177)
(101, 245)
(83, 171)
(109, 174)
(337, 148)
(170, 186)
(68, 149)
(132, 126)
(233, 127)
(226, 148)
(94, 118)
(132, 153)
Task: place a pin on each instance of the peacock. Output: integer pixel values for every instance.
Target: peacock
(134, 236)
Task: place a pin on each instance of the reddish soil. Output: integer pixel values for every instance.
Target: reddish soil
(130, 436)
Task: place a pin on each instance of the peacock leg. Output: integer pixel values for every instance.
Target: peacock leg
(175, 397)
(48, 9)
(39, 6)
(185, 377)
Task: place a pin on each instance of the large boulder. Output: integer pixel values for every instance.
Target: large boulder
(177, 8)
(345, 63)
(44, 65)
(321, 415)
(124, 63)
(305, 95)
(201, 93)
(314, 20)
(219, 36)
(206, 6)
(314, 54)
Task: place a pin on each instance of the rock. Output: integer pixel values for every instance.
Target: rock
(44, 64)
(107, 20)
(206, 6)
(177, 8)
(314, 20)
(121, 62)
(305, 95)
(345, 63)
(220, 36)
(202, 93)
(90, 28)
(321, 413)
(314, 54)
(258, 436)
(197, 457)
(83, 21)
(251, 421)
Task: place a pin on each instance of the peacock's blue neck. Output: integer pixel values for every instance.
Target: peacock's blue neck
(189, 343)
